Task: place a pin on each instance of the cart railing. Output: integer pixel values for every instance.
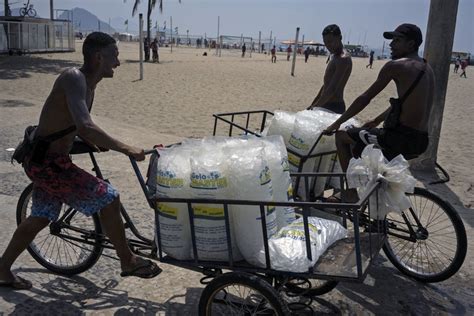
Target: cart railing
(241, 121)
(363, 247)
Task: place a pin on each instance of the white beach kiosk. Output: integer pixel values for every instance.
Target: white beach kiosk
(35, 35)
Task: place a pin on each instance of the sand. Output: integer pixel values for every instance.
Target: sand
(177, 98)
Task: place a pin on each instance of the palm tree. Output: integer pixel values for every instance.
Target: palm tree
(151, 6)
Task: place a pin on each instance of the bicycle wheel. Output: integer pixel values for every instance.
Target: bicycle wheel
(239, 293)
(62, 247)
(309, 287)
(23, 12)
(438, 245)
(31, 12)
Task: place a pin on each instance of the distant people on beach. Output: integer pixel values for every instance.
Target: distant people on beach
(288, 52)
(154, 49)
(263, 48)
(371, 59)
(464, 64)
(457, 63)
(244, 49)
(146, 47)
(57, 180)
(406, 120)
(274, 57)
(307, 51)
(338, 70)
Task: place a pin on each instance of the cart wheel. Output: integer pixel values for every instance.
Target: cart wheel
(58, 247)
(239, 293)
(440, 245)
(309, 287)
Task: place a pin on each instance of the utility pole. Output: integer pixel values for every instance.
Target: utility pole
(294, 51)
(259, 40)
(51, 9)
(438, 47)
(140, 46)
(271, 40)
(217, 38)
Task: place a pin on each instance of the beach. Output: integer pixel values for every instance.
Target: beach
(176, 100)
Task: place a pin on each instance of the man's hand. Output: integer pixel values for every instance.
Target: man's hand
(332, 128)
(137, 153)
(371, 124)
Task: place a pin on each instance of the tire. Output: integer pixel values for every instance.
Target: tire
(309, 287)
(31, 13)
(70, 257)
(23, 12)
(222, 296)
(442, 237)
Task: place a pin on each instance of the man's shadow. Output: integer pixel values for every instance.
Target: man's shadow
(75, 295)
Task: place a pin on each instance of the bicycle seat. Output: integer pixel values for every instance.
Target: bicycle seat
(81, 147)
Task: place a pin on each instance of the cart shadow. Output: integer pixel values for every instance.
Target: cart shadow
(391, 292)
(58, 295)
(464, 208)
(18, 67)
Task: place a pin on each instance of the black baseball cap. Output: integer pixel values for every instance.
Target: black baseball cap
(332, 29)
(409, 31)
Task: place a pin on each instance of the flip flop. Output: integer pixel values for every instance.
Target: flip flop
(17, 284)
(145, 270)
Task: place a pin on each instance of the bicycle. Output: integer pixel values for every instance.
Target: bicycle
(406, 232)
(74, 243)
(28, 10)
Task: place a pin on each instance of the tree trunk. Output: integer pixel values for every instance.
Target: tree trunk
(148, 22)
(438, 47)
(6, 8)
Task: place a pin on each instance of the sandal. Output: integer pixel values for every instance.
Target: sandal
(17, 284)
(146, 270)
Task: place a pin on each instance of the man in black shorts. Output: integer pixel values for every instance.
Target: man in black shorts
(406, 120)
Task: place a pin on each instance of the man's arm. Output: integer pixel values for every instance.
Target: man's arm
(75, 89)
(384, 78)
(316, 98)
(342, 65)
(379, 119)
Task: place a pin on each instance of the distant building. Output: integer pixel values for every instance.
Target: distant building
(356, 50)
(35, 35)
(463, 55)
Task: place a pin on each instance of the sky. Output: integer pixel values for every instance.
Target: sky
(361, 21)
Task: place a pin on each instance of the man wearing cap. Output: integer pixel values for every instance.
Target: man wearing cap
(331, 94)
(406, 119)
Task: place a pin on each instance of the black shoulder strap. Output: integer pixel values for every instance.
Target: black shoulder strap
(413, 86)
(59, 134)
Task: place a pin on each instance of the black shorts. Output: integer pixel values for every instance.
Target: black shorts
(336, 107)
(402, 140)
